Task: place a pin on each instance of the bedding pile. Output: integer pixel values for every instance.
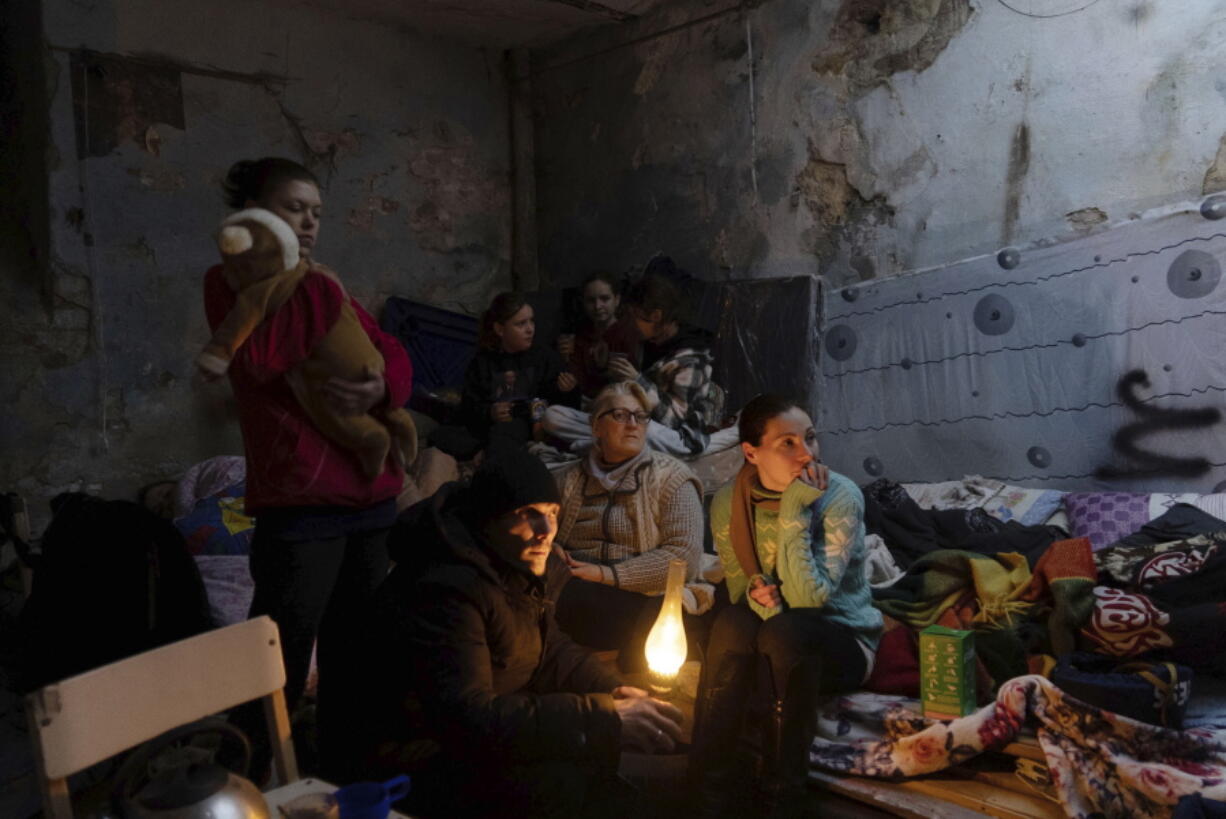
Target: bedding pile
(1134, 578)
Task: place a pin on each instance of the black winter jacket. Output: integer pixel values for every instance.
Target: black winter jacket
(498, 683)
(536, 375)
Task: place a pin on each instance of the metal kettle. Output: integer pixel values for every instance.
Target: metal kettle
(192, 785)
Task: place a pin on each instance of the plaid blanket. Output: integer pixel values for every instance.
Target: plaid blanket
(685, 397)
(1021, 617)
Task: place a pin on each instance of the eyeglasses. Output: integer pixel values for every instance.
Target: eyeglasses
(623, 416)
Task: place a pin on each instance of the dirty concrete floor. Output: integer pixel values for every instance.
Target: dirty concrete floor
(667, 795)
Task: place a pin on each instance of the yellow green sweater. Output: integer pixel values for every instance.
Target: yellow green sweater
(813, 547)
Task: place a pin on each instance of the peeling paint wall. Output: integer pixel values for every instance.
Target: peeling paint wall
(150, 101)
(860, 138)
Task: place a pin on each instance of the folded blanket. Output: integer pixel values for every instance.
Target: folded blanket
(1205, 584)
(1128, 624)
(1167, 596)
(1135, 567)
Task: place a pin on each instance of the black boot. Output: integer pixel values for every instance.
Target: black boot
(718, 719)
(790, 727)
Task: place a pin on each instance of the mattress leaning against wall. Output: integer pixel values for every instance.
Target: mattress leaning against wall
(1097, 363)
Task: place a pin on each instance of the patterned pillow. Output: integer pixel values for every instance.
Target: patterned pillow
(1105, 517)
(1029, 507)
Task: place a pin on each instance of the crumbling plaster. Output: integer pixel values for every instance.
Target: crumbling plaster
(859, 138)
(408, 135)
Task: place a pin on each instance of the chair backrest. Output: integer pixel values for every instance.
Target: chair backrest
(82, 720)
(15, 525)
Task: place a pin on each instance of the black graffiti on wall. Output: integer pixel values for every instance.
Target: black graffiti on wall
(1127, 439)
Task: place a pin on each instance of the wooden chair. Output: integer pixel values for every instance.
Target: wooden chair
(80, 721)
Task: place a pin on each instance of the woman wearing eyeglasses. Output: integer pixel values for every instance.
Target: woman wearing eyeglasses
(626, 512)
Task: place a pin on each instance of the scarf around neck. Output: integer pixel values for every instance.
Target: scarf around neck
(747, 494)
(610, 479)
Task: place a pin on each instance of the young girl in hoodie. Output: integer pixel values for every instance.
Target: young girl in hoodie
(511, 379)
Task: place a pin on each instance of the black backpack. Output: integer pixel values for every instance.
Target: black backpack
(113, 580)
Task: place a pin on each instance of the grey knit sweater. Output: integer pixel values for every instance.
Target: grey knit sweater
(652, 516)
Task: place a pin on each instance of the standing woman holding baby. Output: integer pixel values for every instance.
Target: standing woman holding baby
(319, 549)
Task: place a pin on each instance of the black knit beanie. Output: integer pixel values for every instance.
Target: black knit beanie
(508, 478)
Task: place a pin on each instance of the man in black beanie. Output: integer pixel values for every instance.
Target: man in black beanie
(474, 691)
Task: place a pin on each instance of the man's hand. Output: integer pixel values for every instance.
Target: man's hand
(566, 381)
(816, 475)
(765, 594)
(355, 397)
(622, 369)
(649, 725)
(500, 411)
(629, 692)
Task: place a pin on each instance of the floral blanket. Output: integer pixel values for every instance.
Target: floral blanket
(1101, 764)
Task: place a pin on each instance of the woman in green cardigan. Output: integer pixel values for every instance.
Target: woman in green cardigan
(790, 535)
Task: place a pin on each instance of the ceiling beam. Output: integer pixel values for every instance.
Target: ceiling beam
(597, 8)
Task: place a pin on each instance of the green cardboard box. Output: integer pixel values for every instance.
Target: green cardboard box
(947, 672)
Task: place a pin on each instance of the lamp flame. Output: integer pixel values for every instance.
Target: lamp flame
(666, 646)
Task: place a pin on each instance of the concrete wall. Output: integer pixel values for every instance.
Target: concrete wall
(859, 138)
(408, 135)
(855, 138)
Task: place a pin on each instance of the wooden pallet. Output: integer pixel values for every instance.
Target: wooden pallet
(962, 791)
(943, 796)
